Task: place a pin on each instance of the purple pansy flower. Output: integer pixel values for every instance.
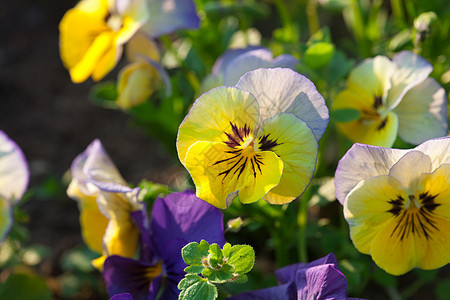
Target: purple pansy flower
(177, 219)
(319, 280)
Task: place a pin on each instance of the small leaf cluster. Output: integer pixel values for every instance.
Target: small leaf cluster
(209, 264)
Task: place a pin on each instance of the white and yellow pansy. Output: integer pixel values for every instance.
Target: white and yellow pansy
(256, 140)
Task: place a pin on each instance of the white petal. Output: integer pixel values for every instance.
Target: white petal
(438, 150)
(283, 90)
(422, 113)
(409, 168)
(410, 69)
(362, 162)
(252, 60)
(14, 173)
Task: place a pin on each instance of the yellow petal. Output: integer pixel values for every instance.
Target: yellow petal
(211, 117)
(367, 206)
(297, 147)
(437, 184)
(121, 238)
(379, 132)
(141, 45)
(219, 172)
(136, 83)
(372, 76)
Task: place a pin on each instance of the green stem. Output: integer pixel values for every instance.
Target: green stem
(281, 253)
(313, 17)
(283, 12)
(302, 221)
(359, 29)
(397, 11)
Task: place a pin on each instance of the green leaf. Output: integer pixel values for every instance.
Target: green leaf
(194, 269)
(224, 274)
(193, 287)
(319, 55)
(443, 289)
(345, 115)
(242, 257)
(215, 256)
(25, 287)
(339, 66)
(104, 94)
(241, 278)
(194, 253)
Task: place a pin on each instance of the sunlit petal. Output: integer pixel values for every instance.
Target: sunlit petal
(211, 117)
(422, 113)
(362, 162)
(372, 76)
(283, 90)
(409, 70)
(438, 150)
(294, 143)
(367, 209)
(410, 167)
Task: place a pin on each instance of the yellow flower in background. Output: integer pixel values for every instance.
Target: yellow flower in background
(93, 32)
(139, 79)
(397, 204)
(393, 98)
(255, 140)
(105, 201)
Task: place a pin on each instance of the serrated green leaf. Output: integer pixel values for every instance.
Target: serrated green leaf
(194, 287)
(242, 258)
(226, 250)
(25, 287)
(319, 55)
(194, 269)
(193, 253)
(241, 278)
(345, 115)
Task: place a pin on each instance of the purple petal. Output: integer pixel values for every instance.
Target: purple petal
(142, 222)
(288, 273)
(14, 172)
(321, 282)
(281, 292)
(169, 285)
(169, 15)
(126, 275)
(184, 216)
(125, 296)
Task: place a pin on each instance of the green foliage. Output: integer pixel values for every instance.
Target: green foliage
(216, 265)
(25, 286)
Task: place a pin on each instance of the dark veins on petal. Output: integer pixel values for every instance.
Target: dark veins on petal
(236, 137)
(266, 144)
(415, 221)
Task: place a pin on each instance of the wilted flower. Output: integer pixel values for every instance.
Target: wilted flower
(105, 201)
(257, 139)
(236, 62)
(93, 33)
(397, 204)
(139, 79)
(177, 219)
(14, 176)
(393, 97)
(318, 280)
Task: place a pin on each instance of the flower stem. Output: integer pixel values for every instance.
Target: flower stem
(302, 220)
(313, 17)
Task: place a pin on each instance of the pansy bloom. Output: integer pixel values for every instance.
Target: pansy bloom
(92, 34)
(397, 203)
(106, 202)
(139, 79)
(319, 280)
(255, 140)
(393, 98)
(14, 176)
(177, 220)
(231, 65)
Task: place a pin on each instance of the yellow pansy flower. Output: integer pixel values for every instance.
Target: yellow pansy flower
(138, 80)
(105, 201)
(93, 32)
(393, 98)
(397, 203)
(255, 140)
